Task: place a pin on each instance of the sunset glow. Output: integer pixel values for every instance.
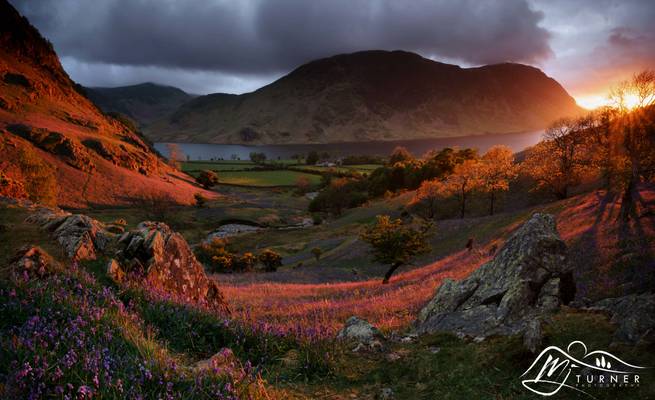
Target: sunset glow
(594, 101)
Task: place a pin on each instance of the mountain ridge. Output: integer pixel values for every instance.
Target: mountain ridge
(373, 95)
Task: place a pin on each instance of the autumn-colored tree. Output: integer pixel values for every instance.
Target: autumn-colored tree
(428, 196)
(634, 101)
(559, 162)
(463, 181)
(394, 242)
(175, 155)
(271, 260)
(496, 172)
(207, 179)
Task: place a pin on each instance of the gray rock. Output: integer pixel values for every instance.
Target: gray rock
(533, 336)
(634, 316)
(386, 394)
(164, 260)
(530, 276)
(359, 330)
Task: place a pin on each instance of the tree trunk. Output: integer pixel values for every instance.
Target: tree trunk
(491, 205)
(390, 272)
(463, 210)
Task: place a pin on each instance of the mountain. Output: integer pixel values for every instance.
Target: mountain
(54, 139)
(374, 95)
(143, 103)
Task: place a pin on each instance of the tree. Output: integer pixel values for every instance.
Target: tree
(559, 161)
(175, 155)
(634, 101)
(497, 170)
(428, 196)
(312, 158)
(207, 179)
(400, 154)
(257, 157)
(316, 251)
(271, 260)
(395, 243)
(463, 181)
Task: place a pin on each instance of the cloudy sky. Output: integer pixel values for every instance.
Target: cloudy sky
(207, 46)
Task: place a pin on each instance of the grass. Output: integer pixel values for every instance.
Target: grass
(265, 178)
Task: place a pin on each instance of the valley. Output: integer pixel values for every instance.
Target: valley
(374, 224)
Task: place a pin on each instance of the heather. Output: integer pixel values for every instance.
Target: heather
(66, 336)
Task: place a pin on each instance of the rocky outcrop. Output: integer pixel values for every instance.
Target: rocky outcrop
(634, 316)
(56, 143)
(165, 260)
(530, 276)
(153, 254)
(33, 262)
(80, 236)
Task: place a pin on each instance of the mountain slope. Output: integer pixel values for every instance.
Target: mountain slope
(144, 102)
(374, 95)
(47, 128)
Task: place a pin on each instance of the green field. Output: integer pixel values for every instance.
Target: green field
(362, 169)
(265, 178)
(196, 166)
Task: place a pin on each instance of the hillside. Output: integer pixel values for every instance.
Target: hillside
(56, 142)
(373, 95)
(144, 103)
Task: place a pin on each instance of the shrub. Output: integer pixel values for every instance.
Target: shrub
(271, 260)
(317, 252)
(200, 200)
(245, 262)
(207, 179)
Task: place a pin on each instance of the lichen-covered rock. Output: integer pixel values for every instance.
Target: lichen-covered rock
(530, 276)
(168, 265)
(634, 316)
(80, 236)
(359, 330)
(533, 336)
(34, 262)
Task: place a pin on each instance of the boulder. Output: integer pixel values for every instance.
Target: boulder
(34, 262)
(225, 359)
(165, 260)
(359, 330)
(634, 316)
(530, 276)
(80, 236)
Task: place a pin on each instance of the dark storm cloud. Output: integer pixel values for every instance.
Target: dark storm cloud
(267, 36)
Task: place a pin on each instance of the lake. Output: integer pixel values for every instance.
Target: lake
(418, 147)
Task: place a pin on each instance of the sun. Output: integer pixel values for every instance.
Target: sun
(591, 102)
